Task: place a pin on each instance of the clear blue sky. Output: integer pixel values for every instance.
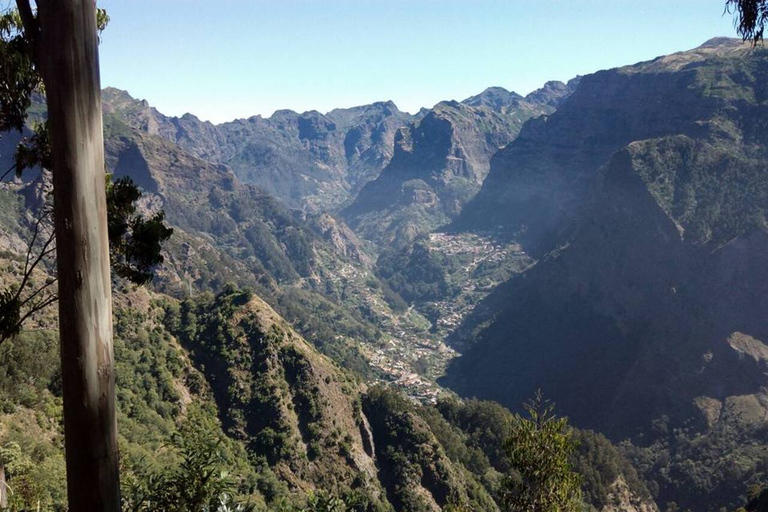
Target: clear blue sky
(223, 59)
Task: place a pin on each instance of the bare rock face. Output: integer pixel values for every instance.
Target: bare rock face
(538, 183)
(341, 238)
(311, 161)
(439, 164)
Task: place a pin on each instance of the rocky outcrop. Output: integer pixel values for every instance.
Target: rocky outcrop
(622, 499)
(538, 183)
(439, 163)
(345, 242)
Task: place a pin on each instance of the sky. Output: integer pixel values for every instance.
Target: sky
(227, 59)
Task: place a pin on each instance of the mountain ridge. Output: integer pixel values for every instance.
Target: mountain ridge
(643, 198)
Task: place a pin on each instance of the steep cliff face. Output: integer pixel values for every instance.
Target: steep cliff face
(275, 393)
(647, 198)
(315, 425)
(310, 161)
(538, 183)
(440, 161)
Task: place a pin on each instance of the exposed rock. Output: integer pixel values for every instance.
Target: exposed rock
(310, 161)
(439, 163)
(622, 499)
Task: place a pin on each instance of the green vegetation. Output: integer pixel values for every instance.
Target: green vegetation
(734, 461)
(242, 408)
(222, 406)
(154, 404)
(758, 501)
(198, 481)
(539, 449)
(135, 243)
(411, 458)
(601, 465)
(417, 274)
(651, 226)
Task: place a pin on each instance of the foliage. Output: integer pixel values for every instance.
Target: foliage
(135, 242)
(35, 150)
(681, 464)
(758, 502)
(323, 501)
(18, 77)
(199, 482)
(411, 454)
(35, 481)
(487, 426)
(601, 465)
(750, 18)
(415, 273)
(539, 448)
(153, 381)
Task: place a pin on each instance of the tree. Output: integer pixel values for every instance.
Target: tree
(751, 17)
(62, 46)
(135, 241)
(199, 482)
(538, 449)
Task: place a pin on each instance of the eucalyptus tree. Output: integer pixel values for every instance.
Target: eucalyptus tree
(62, 39)
(750, 18)
(53, 48)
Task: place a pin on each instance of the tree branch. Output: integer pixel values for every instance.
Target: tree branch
(13, 167)
(38, 291)
(37, 307)
(45, 251)
(31, 28)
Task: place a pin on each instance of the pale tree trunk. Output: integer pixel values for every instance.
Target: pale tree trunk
(67, 55)
(3, 490)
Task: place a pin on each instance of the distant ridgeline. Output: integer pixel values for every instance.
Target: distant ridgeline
(604, 241)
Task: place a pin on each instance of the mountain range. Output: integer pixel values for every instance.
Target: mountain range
(602, 240)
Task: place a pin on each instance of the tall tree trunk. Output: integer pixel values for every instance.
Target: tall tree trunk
(3, 489)
(69, 62)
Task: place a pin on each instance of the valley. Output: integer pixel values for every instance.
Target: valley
(360, 302)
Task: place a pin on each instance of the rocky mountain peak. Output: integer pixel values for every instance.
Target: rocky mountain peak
(494, 97)
(553, 92)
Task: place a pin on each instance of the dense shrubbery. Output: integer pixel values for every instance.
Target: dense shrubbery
(410, 456)
(454, 449)
(733, 461)
(155, 387)
(197, 480)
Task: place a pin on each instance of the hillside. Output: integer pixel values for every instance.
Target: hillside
(311, 267)
(288, 421)
(645, 197)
